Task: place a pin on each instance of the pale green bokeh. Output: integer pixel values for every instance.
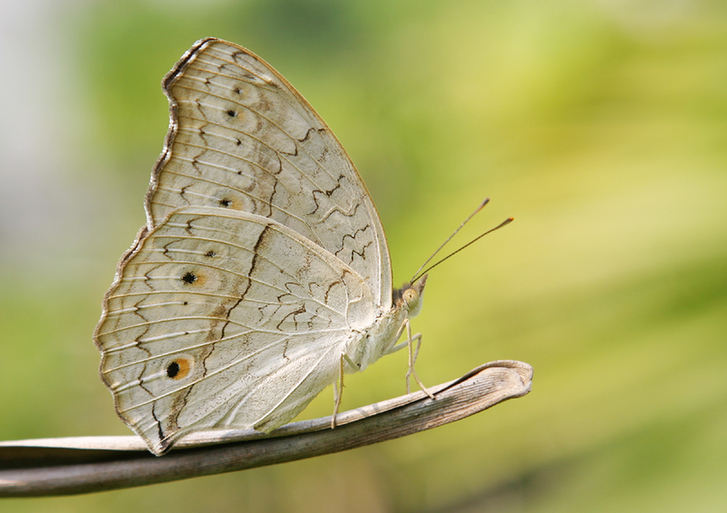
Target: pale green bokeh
(600, 126)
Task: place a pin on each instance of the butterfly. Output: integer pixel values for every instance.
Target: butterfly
(262, 274)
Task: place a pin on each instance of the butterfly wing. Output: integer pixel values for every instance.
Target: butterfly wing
(221, 318)
(241, 137)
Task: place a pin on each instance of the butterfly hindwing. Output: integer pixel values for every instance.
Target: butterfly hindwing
(222, 318)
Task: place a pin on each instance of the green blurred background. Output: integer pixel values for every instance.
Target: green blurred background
(601, 126)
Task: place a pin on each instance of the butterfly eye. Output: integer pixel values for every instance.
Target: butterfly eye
(179, 368)
(410, 296)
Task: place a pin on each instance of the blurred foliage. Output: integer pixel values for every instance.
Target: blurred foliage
(600, 125)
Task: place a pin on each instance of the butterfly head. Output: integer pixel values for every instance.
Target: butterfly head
(410, 296)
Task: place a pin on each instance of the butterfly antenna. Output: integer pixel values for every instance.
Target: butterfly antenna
(480, 207)
(504, 223)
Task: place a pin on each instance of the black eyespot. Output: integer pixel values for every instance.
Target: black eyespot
(173, 369)
(210, 254)
(185, 303)
(225, 202)
(231, 113)
(189, 277)
(237, 90)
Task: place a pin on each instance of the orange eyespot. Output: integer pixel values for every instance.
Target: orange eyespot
(179, 368)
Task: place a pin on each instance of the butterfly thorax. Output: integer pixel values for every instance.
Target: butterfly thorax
(379, 339)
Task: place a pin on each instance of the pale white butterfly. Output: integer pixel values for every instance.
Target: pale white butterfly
(262, 273)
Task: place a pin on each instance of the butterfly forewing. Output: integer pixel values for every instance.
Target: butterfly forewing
(225, 318)
(242, 138)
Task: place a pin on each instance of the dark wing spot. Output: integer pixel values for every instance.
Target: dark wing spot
(173, 369)
(189, 277)
(179, 368)
(210, 253)
(231, 113)
(225, 202)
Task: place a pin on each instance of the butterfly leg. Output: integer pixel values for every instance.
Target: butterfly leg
(402, 345)
(338, 391)
(413, 353)
(412, 359)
